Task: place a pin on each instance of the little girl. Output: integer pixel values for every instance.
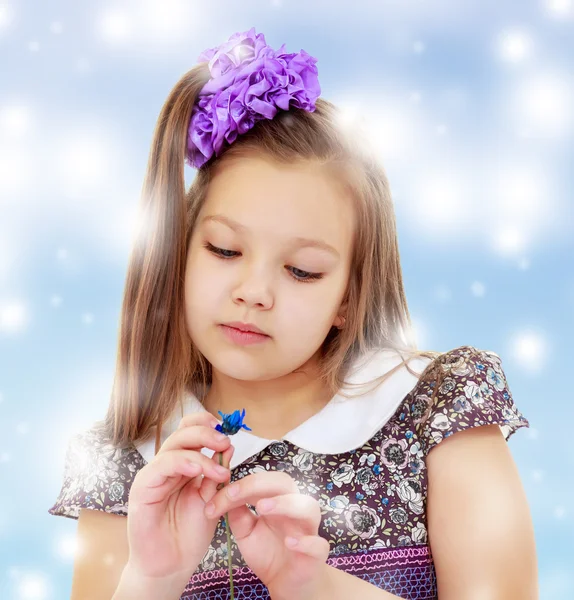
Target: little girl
(273, 285)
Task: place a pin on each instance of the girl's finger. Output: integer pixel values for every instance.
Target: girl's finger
(206, 485)
(253, 488)
(311, 545)
(242, 522)
(304, 511)
(169, 471)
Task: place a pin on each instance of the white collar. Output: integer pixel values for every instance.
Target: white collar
(342, 425)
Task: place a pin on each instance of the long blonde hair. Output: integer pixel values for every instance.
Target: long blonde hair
(156, 359)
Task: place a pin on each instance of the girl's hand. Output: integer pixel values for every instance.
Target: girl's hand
(293, 572)
(168, 532)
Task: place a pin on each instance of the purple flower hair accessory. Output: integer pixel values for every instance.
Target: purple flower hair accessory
(250, 81)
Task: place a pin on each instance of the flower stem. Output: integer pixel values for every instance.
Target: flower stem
(228, 539)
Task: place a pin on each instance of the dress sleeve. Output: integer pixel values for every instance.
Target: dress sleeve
(97, 475)
(465, 387)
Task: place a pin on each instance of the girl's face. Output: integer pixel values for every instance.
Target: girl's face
(257, 213)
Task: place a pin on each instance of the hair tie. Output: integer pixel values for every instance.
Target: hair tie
(249, 82)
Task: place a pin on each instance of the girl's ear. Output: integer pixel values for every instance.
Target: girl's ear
(340, 319)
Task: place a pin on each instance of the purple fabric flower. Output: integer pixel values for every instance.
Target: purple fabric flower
(249, 82)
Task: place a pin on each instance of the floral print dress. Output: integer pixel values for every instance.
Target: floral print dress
(373, 497)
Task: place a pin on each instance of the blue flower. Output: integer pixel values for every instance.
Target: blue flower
(359, 496)
(377, 469)
(385, 501)
(232, 423)
(329, 486)
(409, 434)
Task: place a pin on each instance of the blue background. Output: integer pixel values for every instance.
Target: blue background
(469, 107)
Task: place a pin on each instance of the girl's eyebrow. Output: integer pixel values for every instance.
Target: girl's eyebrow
(298, 241)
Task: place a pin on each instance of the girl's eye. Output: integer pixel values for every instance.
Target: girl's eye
(219, 251)
(297, 274)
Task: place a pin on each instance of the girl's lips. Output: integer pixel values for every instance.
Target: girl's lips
(243, 338)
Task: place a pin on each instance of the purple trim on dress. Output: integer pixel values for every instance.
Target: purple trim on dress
(406, 572)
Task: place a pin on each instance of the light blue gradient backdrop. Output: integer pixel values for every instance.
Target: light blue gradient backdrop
(469, 104)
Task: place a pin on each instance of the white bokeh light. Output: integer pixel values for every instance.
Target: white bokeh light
(522, 195)
(82, 163)
(514, 45)
(415, 97)
(532, 433)
(13, 317)
(151, 23)
(14, 120)
(395, 129)
(419, 47)
(418, 335)
(6, 16)
(530, 350)
(67, 547)
(82, 64)
(7, 257)
(541, 106)
(15, 177)
(56, 27)
(478, 289)
(352, 121)
(87, 167)
(56, 301)
(116, 236)
(440, 202)
(23, 428)
(114, 25)
(560, 8)
(88, 318)
(33, 586)
(508, 240)
(348, 115)
(442, 293)
(537, 475)
(167, 19)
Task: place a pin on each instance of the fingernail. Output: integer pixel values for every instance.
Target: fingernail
(232, 490)
(291, 542)
(210, 509)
